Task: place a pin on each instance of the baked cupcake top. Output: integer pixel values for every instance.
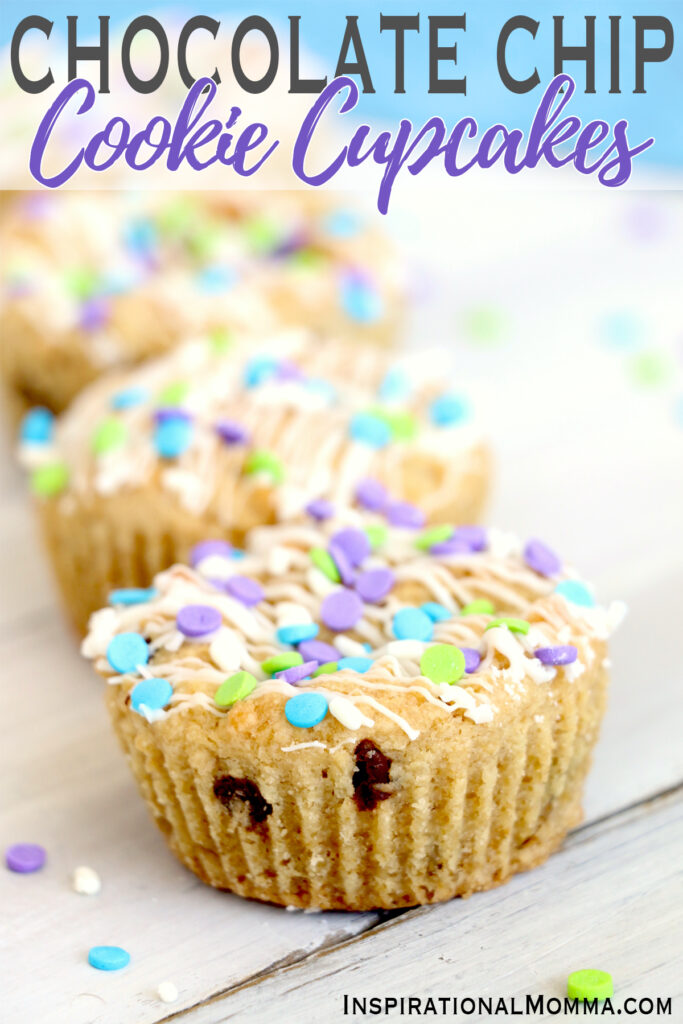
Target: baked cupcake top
(217, 426)
(78, 264)
(323, 633)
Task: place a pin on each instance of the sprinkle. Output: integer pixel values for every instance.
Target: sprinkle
(433, 536)
(198, 620)
(152, 694)
(216, 278)
(259, 370)
(221, 340)
(354, 543)
(472, 659)
(108, 958)
(347, 714)
(514, 625)
(126, 651)
(452, 546)
(85, 881)
(374, 584)
(436, 612)
(132, 595)
(297, 673)
(541, 559)
(412, 624)
(231, 432)
(323, 560)
(402, 513)
(318, 650)
(377, 534)
(283, 661)
(395, 386)
(226, 650)
(109, 435)
(320, 509)
(237, 687)
(474, 536)
(174, 393)
(443, 663)
(342, 224)
(172, 412)
(590, 985)
(173, 436)
(81, 282)
(244, 589)
(341, 610)
(94, 313)
(479, 607)
(167, 992)
(371, 494)
(37, 426)
(306, 710)
(651, 368)
(208, 548)
(49, 480)
(261, 461)
(560, 655)
(360, 301)
(370, 429)
(401, 423)
(347, 573)
(25, 858)
(448, 410)
(355, 664)
(326, 670)
(296, 634)
(576, 592)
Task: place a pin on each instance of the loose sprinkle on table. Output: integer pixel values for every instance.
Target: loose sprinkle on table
(590, 984)
(108, 958)
(86, 881)
(25, 858)
(167, 992)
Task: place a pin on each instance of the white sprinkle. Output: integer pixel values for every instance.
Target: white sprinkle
(289, 613)
(412, 649)
(167, 992)
(86, 881)
(226, 651)
(348, 714)
(217, 567)
(348, 647)
(279, 560)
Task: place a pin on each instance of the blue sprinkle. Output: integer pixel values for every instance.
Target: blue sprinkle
(108, 958)
(342, 224)
(370, 430)
(322, 387)
(412, 624)
(117, 282)
(436, 612)
(140, 237)
(306, 710)
(154, 694)
(258, 370)
(37, 426)
(133, 595)
(576, 592)
(216, 278)
(298, 633)
(355, 664)
(129, 398)
(395, 386)
(238, 554)
(361, 302)
(623, 330)
(173, 436)
(447, 410)
(126, 651)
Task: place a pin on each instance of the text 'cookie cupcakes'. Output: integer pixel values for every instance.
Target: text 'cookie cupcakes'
(352, 718)
(211, 442)
(94, 281)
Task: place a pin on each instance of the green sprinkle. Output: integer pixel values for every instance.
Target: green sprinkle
(377, 534)
(174, 393)
(443, 663)
(514, 625)
(203, 240)
(484, 324)
(651, 369)
(326, 670)
(81, 282)
(323, 560)
(235, 688)
(221, 340)
(434, 535)
(261, 461)
(177, 216)
(109, 434)
(280, 662)
(590, 985)
(478, 607)
(49, 480)
(306, 259)
(262, 234)
(401, 423)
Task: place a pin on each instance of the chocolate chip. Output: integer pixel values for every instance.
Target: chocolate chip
(372, 771)
(228, 788)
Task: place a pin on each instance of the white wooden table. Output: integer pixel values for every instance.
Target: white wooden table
(606, 487)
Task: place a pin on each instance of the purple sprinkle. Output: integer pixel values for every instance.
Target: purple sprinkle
(94, 313)
(371, 494)
(171, 412)
(207, 548)
(318, 650)
(347, 573)
(375, 584)
(246, 590)
(452, 546)
(472, 659)
(341, 610)
(198, 620)
(25, 858)
(474, 536)
(354, 544)
(297, 672)
(541, 559)
(231, 432)
(402, 513)
(289, 246)
(562, 655)
(320, 509)
(286, 370)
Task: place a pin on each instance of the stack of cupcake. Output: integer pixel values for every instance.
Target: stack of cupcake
(335, 690)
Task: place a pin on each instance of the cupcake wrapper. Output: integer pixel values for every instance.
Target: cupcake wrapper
(461, 817)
